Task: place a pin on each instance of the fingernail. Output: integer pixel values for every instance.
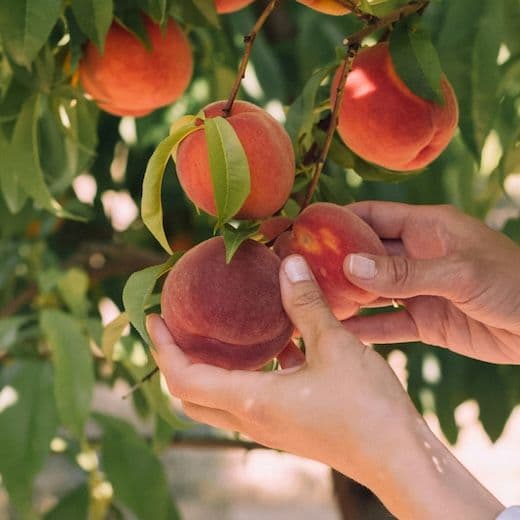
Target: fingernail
(362, 267)
(297, 270)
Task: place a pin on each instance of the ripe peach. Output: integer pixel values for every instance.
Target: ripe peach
(130, 80)
(325, 234)
(229, 315)
(326, 6)
(269, 152)
(383, 122)
(229, 6)
(272, 228)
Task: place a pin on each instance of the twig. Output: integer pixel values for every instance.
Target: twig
(143, 380)
(346, 67)
(353, 43)
(353, 6)
(249, 41)
(380, 23)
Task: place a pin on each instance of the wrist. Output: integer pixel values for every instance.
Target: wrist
(420, 478)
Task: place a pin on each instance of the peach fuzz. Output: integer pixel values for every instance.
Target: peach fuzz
(383, 122)
(229, 6)
(326, 6)
(229, 315)
(272, 228)
(269, 152)
(324, 234)
(130, 80)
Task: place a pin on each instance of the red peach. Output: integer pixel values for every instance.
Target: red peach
(229, 6)
(130, 80)
(269, 152)
(325, 234)
(384, 122)
(229, 315)
(326, 6)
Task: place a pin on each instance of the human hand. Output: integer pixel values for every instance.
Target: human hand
(344, 407)
(458, 280)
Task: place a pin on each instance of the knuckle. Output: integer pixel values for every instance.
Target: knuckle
(308, 299)
(448, 211)
(400, 270)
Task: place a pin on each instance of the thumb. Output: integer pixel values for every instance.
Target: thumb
(304, 301)
(403, 277)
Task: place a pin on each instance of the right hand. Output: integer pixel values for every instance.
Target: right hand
(458, 281)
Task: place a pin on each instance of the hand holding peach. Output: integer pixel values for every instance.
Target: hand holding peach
(343, 407)
(457, 279)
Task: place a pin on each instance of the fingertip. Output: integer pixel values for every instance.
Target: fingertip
(158, 331)
(360, 266)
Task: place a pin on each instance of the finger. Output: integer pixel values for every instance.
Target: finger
(212, 416)
(201, 384)
(291, 357)
(387, 219)
(403, 277)
(303, 300)
(394, 247)
(395, 327)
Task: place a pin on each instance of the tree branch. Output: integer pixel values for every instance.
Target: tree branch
(249, 40)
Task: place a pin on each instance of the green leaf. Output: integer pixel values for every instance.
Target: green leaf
(151, 203)
(73, 368)
(111, 334)
(74, 505)
(152, 391)
(94, 18)
(229, 168)
(9, 328)
(300, 117)
(73, 287)
(490, 391)
(22, 159)
(233, 237)
(468, 45)
(196, 12)
(512, 229)
(25, 26)
(138, 289)
(14, 196)
(157, 10)
(134, 471)
(28, 422)
(415, 59)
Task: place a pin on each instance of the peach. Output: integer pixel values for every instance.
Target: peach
(325, 234)
(270, 156)
(383, 122)
(272, 228)
(229, 6)
(326, 6)
(130, 80)
(229, 315)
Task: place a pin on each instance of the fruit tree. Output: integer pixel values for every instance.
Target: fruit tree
(163, 155)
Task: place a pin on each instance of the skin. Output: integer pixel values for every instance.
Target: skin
(383, 122)
(446, 269)
(319, 410)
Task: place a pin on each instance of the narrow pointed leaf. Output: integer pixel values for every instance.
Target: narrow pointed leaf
(138, 289)
(229, 168)
(151, 204)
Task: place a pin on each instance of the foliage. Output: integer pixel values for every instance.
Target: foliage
(64, 251)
